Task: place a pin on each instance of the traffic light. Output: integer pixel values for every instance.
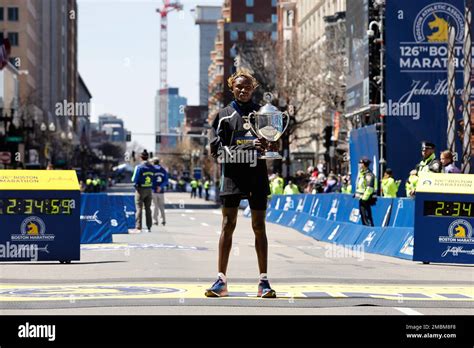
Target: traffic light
(158, 138)
(129, 137)
(327, 135)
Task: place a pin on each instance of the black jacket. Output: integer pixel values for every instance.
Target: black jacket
(228, 137)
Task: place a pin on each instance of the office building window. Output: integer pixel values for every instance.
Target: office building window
(249, 3)
(1, 13)
(274, 3)
(274, 35)
(249, 35)
(234, 35)
(249, 18)
(13, 37)
(13, 14)
(274, 18)
(1, 37)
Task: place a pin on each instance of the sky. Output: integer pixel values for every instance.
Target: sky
(118, 58)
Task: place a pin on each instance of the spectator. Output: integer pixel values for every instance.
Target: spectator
(331, 185)
(448, 163)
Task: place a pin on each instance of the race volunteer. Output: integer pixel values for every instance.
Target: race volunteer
(159, 192)
(143, 180)
(229, 137)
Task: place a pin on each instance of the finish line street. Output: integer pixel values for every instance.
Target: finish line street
(167, 271)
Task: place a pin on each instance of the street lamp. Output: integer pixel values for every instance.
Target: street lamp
(380, 79)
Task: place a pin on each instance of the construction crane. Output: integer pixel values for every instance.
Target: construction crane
(167, 7)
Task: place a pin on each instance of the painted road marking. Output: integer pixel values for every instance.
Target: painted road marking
(204, 224)
(128, 246)
(192, 218)
(30, 292)
(408, 311)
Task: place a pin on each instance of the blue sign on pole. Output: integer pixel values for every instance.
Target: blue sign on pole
(416, 78)
(363, 142)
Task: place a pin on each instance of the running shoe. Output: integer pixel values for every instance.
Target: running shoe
(218, 289)
(265, 290)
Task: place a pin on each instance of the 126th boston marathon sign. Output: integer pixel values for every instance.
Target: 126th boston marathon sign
(39, 215)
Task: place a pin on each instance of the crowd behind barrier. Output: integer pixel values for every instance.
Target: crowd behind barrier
(335, 218)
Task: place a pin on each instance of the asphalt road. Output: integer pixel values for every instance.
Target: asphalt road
(167, 271)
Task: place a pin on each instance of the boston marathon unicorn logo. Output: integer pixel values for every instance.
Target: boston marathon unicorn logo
(433, 21)
(440, 26)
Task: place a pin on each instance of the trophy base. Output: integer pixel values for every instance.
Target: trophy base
(271, 155)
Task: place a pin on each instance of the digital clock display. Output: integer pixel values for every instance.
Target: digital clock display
(451, 209)
(35, 206)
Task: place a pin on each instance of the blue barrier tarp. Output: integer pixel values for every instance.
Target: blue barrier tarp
(129, 202)
(334, 218)
(95, 219)
(403, 213)
(118, 220)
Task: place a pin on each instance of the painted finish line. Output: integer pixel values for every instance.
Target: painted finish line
(128, 246)
(79, 292)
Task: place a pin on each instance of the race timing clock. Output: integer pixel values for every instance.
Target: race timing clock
(444, 218)
(39, 215)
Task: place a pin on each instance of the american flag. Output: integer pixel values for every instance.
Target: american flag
(4, 53)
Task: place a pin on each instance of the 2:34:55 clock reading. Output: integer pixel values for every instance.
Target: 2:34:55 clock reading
(27, 206)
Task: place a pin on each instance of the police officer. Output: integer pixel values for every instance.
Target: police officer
(291, 189)
(159, 192)
(143, 179)
(194, 185)
(429, 163)
(207, 185)
(200, 188)
(365, 191)
(276, 185)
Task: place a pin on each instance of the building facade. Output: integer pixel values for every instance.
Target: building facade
(206, 18)
(169, 117)
(43, 35)
(315, 31)
(243, 22)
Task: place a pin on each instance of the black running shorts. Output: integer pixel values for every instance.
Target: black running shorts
(256, 202)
